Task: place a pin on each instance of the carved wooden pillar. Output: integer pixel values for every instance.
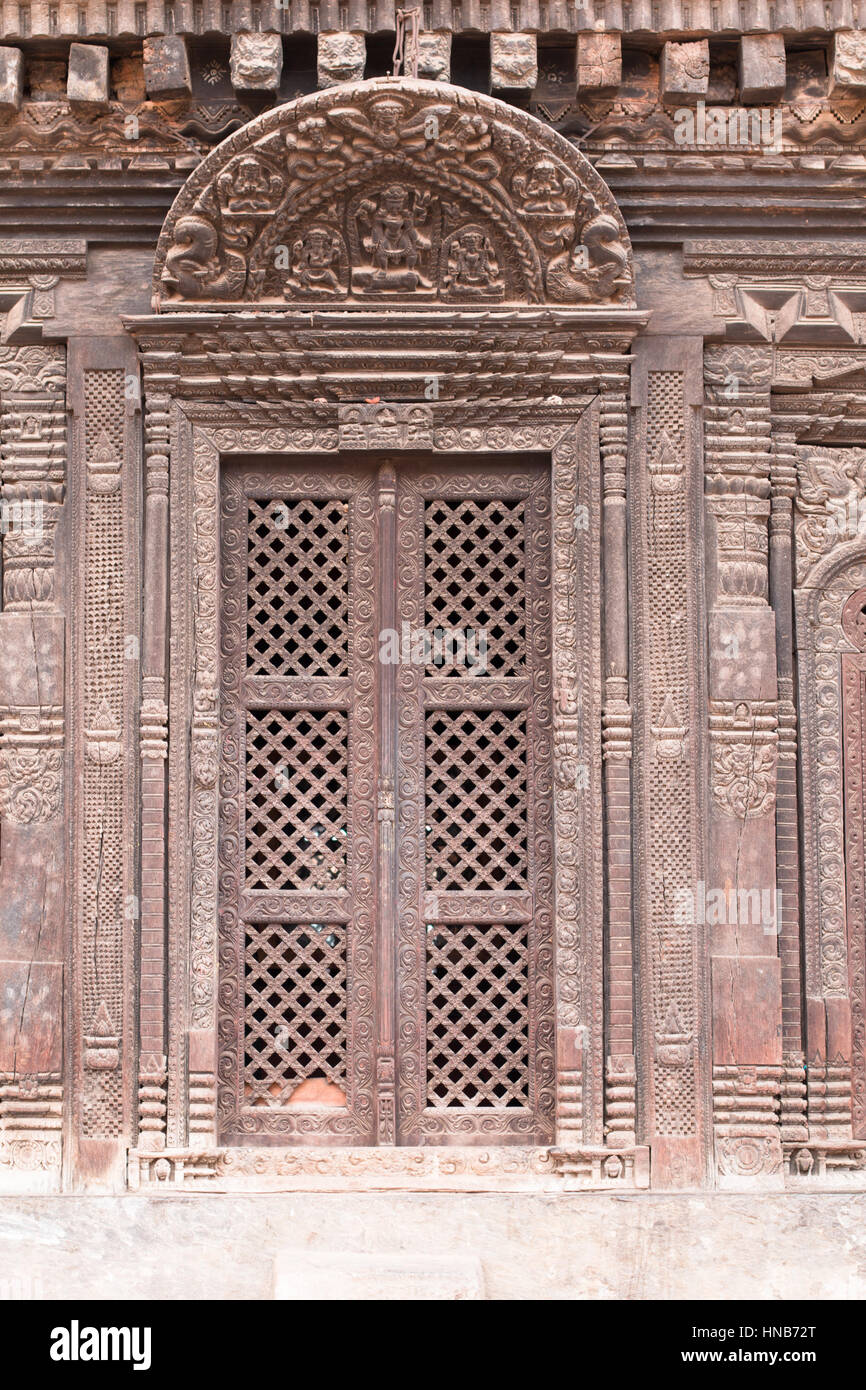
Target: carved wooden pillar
(154, 749)
(740, 897)
(667, 665)
(32, 635)
(616, 752)
(104, 499)
(783, 474)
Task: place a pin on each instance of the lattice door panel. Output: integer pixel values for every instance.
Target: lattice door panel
(474, 780)
(298, 845)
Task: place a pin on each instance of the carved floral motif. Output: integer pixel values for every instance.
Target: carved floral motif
(744, 779)
(30, 784)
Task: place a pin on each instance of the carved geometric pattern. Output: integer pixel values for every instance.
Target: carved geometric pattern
(476, 800)
(477, 1016)
(667, 662)
(297, 617)
(296, 791)
(474, 578)
(104, 831)
(295, 1008)
(298, 759)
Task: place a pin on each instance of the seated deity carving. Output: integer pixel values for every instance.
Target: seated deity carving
(544, 189)
(319, 264)
(248, 186)
(470, 266)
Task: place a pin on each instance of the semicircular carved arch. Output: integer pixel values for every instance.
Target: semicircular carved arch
(392, 191)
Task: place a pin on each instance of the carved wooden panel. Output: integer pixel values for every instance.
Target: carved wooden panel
(297, 827)
(668, 658)
(314, 952)
(474, 812)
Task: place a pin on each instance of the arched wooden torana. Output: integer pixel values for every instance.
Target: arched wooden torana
(393, 190)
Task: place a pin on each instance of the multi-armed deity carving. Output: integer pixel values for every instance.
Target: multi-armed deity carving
(389, 191)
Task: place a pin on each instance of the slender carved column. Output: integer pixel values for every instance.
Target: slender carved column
(783, 474)
(154, 749)
(104, 487)
(616, 751)
(385, 1060)
(668, 659)
(32, 635)
(740, 899)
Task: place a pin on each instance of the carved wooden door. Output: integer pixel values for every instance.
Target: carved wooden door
(385, 841)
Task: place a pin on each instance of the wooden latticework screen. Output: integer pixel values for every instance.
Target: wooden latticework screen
(386, 856)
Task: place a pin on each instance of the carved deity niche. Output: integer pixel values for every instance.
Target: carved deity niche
(393, 190)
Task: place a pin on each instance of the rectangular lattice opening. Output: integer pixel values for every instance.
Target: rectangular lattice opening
(296, 799)
(297, 587)
(477, 1016)
(474, 578)
(294, 1014)
(476, 799)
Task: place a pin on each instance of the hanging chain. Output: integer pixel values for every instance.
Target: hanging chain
(407, 27)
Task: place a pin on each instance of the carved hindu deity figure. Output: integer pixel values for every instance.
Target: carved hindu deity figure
(392, 239)
(470, 266)
(318, 263)
(544, 189)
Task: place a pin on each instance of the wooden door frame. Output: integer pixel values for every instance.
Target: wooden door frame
(203, 430)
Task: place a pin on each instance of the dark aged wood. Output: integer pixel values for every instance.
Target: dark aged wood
(569, 356)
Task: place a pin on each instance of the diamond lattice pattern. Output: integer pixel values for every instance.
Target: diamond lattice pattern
(296, 789)
(295, 1009)
(477, 1016)
(297, 586)
(474, 578)
(476, 800)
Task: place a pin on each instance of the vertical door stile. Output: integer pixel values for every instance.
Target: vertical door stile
(385, 808)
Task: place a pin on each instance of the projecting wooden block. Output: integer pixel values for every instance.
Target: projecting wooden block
(513, 62)
(685, 71)
(434, 57)
(341, 58)
(11, 79)
(762, 67)
(166, 67)
(87, 81)
(599, 61)
(848, 62)
(256, 62)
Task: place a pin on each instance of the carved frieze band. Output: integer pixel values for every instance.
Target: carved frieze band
(33, 471)
(33, 474)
